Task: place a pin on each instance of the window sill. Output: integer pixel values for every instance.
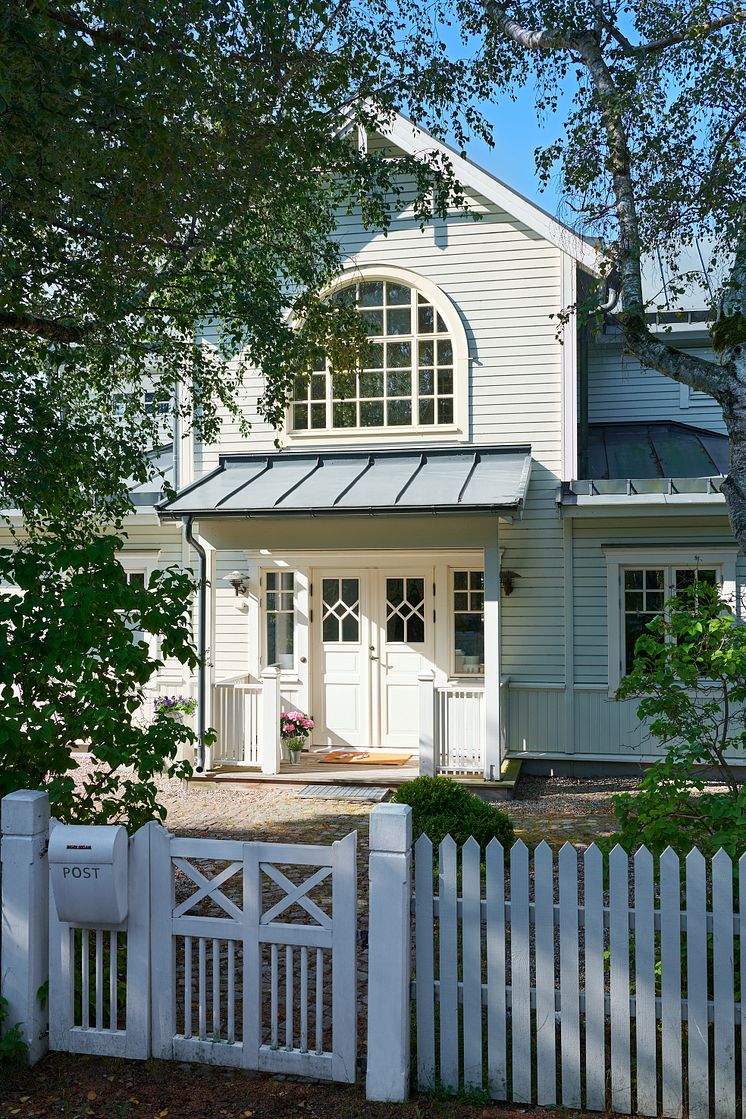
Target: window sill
(368, 435)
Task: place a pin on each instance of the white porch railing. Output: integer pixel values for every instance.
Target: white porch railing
(246, 718)
(459, 730)
(236, 717)
(452, 728)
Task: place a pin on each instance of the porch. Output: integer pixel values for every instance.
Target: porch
(452, 739)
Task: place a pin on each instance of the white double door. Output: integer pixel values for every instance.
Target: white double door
(372, 634)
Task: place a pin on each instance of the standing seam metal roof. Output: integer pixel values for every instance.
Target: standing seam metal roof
(444, 479)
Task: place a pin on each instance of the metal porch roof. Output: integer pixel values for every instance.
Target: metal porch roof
(291, 483)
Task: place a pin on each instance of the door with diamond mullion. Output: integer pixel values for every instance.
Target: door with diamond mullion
(405, 628)
(341, 666)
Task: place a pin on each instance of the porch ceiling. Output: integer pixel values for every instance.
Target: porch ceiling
(290, 483)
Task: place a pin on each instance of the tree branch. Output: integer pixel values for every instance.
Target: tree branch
(51, 329)
(532, 40)
(701, 31)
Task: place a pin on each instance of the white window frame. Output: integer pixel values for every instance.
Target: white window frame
(618, 559)
(454, 673)
(458, 430)
(285, 673)
(142, 563)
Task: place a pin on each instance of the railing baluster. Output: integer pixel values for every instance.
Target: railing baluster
(216, 988)
(113, 972)
(202, 988)
(304, 999)
(187, 986)
(273, 1005)
(319, 1001)
(231, 1024)
(99, 979)
(85, 978)
(288, 997)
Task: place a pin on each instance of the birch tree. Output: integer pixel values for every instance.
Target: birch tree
(652, 157)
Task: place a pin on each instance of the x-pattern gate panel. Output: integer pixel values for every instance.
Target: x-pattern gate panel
(253, 949)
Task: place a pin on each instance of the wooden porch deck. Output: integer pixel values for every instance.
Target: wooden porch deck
(313, 771)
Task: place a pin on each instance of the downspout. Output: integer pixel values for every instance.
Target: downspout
(202, 640)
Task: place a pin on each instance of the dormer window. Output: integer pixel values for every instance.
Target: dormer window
(414, 373)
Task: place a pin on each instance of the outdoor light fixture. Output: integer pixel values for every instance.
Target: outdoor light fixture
(239, 581)
(507, 581)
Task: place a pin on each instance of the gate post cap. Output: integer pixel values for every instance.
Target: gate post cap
(25, 812)
(391, 828)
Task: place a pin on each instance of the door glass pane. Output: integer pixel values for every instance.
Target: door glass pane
(340, 620)
(405, 610)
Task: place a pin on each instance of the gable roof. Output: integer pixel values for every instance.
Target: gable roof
(412, 140)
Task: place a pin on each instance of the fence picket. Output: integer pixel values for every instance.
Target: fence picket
(742, 972)
(471, 941)
(424, 962)
(671, 1062)
(546, 1029)
(621, 1073)
(497, 1082)
(724, 1040)
(448, 965)
(595, 1042)
(569, 981)
(645, 1026)
(520, 975)
(696, 986)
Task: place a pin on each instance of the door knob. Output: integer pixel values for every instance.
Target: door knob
(303, 660)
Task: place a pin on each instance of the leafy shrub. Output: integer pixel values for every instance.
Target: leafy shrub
(690, 674)
(12, 1046)
(441, 807)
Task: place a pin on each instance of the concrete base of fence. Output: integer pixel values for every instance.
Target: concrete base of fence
(24, 937)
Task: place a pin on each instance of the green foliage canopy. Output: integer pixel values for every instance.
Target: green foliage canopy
(690, 674)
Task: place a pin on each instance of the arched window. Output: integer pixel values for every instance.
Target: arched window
(414, 378)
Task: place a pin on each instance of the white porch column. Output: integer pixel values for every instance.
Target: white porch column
(271, 745)
(428, 760)
(24, 961)
(492, 754)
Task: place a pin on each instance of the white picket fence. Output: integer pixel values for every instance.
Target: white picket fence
(572, 980)
(540, 982)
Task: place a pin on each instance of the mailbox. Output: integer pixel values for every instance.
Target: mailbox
(88, 869)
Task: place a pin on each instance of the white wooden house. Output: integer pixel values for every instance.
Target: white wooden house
(456, 558)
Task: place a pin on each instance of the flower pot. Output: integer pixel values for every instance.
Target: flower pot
(294, 747)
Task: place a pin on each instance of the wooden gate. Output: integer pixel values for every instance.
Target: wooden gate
(253, 950)
(238, 954)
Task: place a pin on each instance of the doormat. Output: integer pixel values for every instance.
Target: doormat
(344, 792)
(363, 757)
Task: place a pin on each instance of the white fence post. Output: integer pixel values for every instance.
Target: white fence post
(389, 952)
(428, 760)
(24, 937)
(271, 743)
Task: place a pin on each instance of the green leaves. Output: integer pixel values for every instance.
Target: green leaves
(690, 672)
(71, 674)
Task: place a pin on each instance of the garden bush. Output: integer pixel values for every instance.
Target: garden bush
(441, 807)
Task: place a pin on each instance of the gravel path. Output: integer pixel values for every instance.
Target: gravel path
(558, 809)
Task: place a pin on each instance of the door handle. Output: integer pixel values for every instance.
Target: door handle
(373, 657)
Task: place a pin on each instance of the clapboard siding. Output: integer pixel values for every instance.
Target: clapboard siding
(504, 282)
(620, 389)
(589, 566)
